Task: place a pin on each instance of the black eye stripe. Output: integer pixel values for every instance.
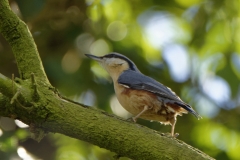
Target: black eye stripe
(117, 55)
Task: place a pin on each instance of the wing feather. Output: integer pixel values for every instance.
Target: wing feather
(138, 81)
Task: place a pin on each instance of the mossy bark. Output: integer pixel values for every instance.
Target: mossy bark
(33, 100)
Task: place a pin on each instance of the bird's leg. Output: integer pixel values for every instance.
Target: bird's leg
(173, 127)
(172, 135)
(139, 114)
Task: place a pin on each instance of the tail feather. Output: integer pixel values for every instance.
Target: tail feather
(189, 109)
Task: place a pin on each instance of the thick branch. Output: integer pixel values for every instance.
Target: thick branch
(51, 113)
(57, 115)
(40, 106)
(16, 32)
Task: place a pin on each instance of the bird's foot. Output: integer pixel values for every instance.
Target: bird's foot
(170, 135)
(132, 119)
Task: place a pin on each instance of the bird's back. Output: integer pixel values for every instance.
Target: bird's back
(138, 81)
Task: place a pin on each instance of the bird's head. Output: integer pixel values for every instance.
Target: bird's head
(114, 63)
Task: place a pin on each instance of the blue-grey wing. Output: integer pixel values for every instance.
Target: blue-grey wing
(138, 81)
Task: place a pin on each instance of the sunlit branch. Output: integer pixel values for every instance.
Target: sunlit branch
(16, 32)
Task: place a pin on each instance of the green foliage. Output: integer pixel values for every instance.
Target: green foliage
(207, 30)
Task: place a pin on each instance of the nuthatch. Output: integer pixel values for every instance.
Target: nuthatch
(141, 95)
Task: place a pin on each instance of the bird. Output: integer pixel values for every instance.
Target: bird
(141, 95)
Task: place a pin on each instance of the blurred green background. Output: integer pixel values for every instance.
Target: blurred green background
(192, 46)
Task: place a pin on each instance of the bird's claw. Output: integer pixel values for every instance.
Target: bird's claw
(170, 135)
(132, 119)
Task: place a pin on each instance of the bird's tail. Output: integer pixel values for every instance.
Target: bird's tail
(189, 109)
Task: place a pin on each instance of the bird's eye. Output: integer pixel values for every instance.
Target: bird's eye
(117, 64)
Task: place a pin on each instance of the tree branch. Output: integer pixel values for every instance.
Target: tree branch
(53, 114)
(7, 86)
(35, 102)
(16, 32)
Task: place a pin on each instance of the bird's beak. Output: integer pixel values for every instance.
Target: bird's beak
(99, 59)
